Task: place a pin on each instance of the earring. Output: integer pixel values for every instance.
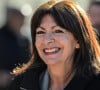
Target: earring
(77, 46)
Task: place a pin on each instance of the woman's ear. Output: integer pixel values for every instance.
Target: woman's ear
(77, 45)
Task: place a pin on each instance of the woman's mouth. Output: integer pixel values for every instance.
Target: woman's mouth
(50, 51)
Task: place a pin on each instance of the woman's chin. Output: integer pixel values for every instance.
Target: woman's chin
(51, 62)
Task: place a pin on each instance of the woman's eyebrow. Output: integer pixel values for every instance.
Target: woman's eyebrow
(41, 27)
(52, 27)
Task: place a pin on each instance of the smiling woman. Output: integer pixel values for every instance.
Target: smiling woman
(66, 52)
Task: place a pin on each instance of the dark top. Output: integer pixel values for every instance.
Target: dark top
(30, 80)
(14, 49)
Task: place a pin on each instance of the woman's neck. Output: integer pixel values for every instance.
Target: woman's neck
(60, 76)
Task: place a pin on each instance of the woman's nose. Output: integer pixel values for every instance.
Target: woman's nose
(49, 38)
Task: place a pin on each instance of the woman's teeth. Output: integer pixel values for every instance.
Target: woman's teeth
(51, 50)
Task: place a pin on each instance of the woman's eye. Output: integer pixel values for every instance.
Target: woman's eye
(40, 32)
(59, 31)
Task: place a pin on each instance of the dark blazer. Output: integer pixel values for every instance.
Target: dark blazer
(30, 80)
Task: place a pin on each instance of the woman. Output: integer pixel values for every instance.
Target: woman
(66, 52)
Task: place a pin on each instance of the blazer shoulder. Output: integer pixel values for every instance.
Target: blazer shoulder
(27, 79)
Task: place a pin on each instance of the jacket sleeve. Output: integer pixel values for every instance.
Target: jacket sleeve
(16, 83)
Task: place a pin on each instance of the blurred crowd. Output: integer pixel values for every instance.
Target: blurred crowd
(94, 14)
(14, 47)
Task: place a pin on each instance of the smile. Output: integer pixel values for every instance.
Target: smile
(49, 51)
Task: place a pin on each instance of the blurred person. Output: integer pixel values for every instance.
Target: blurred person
(94, 13)
(14, 48)
(66, 52)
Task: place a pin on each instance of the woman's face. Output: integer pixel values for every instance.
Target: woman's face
(54, 43)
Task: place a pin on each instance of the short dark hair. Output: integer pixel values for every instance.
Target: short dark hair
(14, 11)
(92, 3)
(95, 2)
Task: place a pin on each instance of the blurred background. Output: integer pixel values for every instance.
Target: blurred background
(27, 7)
